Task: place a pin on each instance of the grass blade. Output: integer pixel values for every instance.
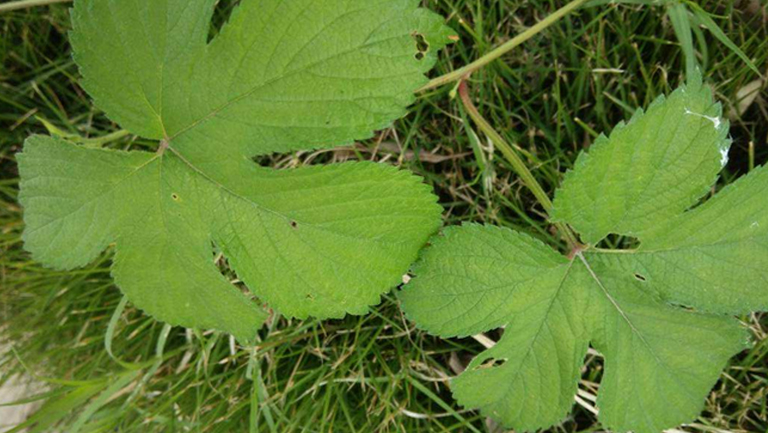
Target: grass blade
(706, 20)
(678, 15)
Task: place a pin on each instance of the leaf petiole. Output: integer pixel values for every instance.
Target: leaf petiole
(502, 49)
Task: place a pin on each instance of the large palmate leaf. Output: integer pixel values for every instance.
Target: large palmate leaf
(280, 76)
(659, 314)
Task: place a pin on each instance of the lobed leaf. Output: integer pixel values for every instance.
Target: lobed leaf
(478, 278)
(715, 256)
(659, 314)
(649, 170)
(280, 76)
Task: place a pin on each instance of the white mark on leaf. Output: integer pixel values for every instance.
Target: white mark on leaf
(715, 120)
(723, 156)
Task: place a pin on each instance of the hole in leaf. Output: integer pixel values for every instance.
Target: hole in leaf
(618, 242)
(221, 14)
(498, 362)
(407, 278)
(492, 362)
(422, 46)
(310, 297)
(175, 196)
(224, 268)
(294, 224)
(681, 306)
(593, 365)
(640, 277)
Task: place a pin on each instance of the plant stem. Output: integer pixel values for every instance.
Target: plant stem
(23, 4)
(517, 164)
(104, 139)
(503, 48)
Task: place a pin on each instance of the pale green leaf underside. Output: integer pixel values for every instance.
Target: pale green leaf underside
(280, 76)
(660, 359)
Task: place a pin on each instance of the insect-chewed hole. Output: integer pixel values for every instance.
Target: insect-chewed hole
(618, 242)
(498, 362)
(222, 264)
(294, 224)
(227, 271)
(310, 296)
(175, 196)
(640, 277)
(492, 362)
(221, 14)
(422, 46)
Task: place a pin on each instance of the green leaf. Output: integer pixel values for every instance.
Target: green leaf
(476, 278)
(280, 76)
(651, 169)
(658, 314)
(713, 257)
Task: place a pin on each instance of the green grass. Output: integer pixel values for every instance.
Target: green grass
(373, 373)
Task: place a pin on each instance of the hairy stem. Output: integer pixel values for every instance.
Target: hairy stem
(23, 4)
(517, 164)
(503, 48)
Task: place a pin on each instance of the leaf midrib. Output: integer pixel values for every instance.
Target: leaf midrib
(626, 318)
(269, 82)
(544, 322)
(259, 206)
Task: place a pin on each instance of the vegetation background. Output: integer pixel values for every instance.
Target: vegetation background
(549, 96)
